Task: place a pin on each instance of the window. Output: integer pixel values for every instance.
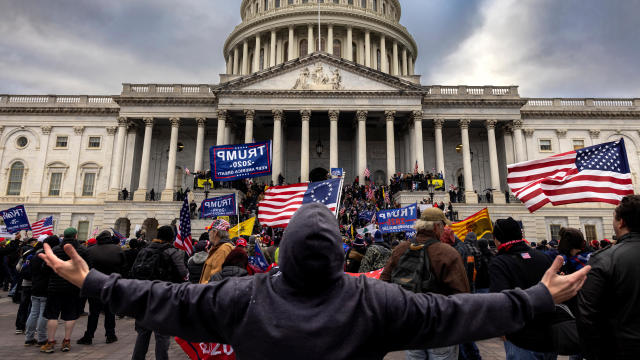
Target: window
(83, 230)
(337, 48)
(336, 1)
(578, 144)
(545, 145)
(375, 5)
(261, 66)
(305, 1)
(94, 142)
(350, 2)
(15, 178)
(62, 141)
(88, 184)
(384, 8)
(304, 48)
(363, 4)
(590, 233)
(290, 2)
(555, 231)
(22, 142)
(54, 184)
(277, 3)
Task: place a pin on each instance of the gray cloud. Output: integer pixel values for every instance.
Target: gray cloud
(549, 48)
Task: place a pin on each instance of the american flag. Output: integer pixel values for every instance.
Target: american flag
(598, 173)
(371, 193)
(281, 202)
(122, 238)
(367, 173)
(415, 169)
(183, 238)
(42, 227)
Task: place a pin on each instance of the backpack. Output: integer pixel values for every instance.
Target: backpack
(413, 271)
(472, 262)
(152, 263)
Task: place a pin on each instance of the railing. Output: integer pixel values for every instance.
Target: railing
(464, 90)
(56, 99)
(583, 102)
(179, 89)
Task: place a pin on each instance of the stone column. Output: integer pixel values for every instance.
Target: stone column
(304, 145)
(277, 145)
(290, 44)
(349, 48)
(471, 197)
(412, 147)
(417, 129)
(333, 138)
(310, 40)
(330, 39)
(222, 119)
(141, 193)
(391, 146)
(116, 170)
(367, 48)
(256, 54)
(248, 127)
(202, 123)
(411, 65)
(395, 66)
(236, 54)
(521, 153)
(493, 162)
(404, 62)
(245, 57)
(384, 66)
(167, 193)
(279, 52)
(361, 116)
(437, 125)
(272, 49)
(228, 127)
(230, 63)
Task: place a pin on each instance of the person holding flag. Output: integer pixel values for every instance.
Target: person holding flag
(183, 237)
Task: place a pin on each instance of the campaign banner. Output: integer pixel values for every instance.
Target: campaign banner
(4, 234)
(398, 220)
(234, 162)
(337, 172)
(219, 206)
(15, 219)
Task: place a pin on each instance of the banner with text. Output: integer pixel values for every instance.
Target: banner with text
(219, 206)
(15, 219)
(337, 172)
(234, 162)
(398, 220)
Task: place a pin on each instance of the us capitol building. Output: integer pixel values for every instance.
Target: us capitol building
(345, 96)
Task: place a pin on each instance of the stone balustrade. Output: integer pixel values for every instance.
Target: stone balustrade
(165, 89)
(55, 100)
(464, 90)
(586, 102)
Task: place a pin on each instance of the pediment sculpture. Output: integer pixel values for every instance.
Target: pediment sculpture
(317, 79)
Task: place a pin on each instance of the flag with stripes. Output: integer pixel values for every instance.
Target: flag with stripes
(598, 173)
(415, 169)
(122, 238)
(183, 237)
(42, 227)
(367, 173)
(281, 202)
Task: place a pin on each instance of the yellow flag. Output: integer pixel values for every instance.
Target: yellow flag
(480, 223)
(244, 228)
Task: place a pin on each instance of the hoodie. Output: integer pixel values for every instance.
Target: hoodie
(195, 264)
(309, 307)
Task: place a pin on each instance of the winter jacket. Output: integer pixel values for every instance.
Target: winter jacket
(39, 276)
(130, 256)
(213, 264)
(229, 272)
(58, 285)
(446, 265)
(376, 256)
(483, 280)
(179, 272)
(609, 315)
(310, 304)
(195, 264)
(354, 259)
(106, 257)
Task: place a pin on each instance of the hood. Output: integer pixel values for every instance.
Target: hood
(233, 271)
(311, 256)
(471, 237)
(199, 257)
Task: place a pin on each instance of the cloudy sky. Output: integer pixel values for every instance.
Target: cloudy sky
(551, 48)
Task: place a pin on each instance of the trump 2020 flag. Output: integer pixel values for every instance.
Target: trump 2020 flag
(597, 173)
(281, 202)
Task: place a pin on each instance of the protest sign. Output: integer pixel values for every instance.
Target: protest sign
(398, 220)
(15, 219)
(234, 162)
(206, 351)
(219, 206)
(337, 172)
(4, 234)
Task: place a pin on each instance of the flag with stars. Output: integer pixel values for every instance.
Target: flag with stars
(281, 202)
(183, 238)
(597, 173)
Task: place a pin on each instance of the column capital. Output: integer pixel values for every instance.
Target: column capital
(417, 115)
(596, 133)
(46, 129)
(528, 132)
(438, 123)
(175, 122)
(277, 114)
(389, 115)
(305, 114)
(78, 130)
(148, 121)
(517, 124)
(222, 114)
(361, 115)
(122, 121)
(111, 130)
(201, 121)
(249, 114)
(561, 133)
(491, 124)
(333, 115)
(464, 123)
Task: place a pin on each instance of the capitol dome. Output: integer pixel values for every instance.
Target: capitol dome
(275, 31)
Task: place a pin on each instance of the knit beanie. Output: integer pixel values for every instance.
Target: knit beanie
(506, 230)
(165, 233)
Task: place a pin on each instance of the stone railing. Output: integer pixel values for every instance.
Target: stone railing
(464, 90)
(590, 102)
(56, 100)
(165, 89)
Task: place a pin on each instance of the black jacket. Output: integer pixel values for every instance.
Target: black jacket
(195, 264)
(522, 267)
(39, 275)
(312, 305)
(106, 257)
(609, 302)
(58, 285)
(229, 272)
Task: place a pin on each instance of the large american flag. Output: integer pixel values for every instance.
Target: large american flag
(183, 238)
(281, 202)
(598, 173)
(42, 227)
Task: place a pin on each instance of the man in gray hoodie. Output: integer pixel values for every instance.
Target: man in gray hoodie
(310, 309)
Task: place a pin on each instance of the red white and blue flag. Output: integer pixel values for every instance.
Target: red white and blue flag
(281, 202)
(122, 238)
(597, 173)
(183, 238)
(42, 227)
(258, 262)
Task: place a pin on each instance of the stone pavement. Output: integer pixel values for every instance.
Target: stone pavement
(12, 346)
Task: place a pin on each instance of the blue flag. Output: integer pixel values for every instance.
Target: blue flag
(219, 206)
(258, 261)
(398, 220)
(15, 219)
(234, 162)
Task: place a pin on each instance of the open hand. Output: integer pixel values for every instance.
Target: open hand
(74, 270)
(563, 287)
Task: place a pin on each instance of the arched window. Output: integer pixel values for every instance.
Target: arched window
(286, 51)
(337, 48)
(379, 60)
(261, 59)
(16, 173)
(304, 47)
